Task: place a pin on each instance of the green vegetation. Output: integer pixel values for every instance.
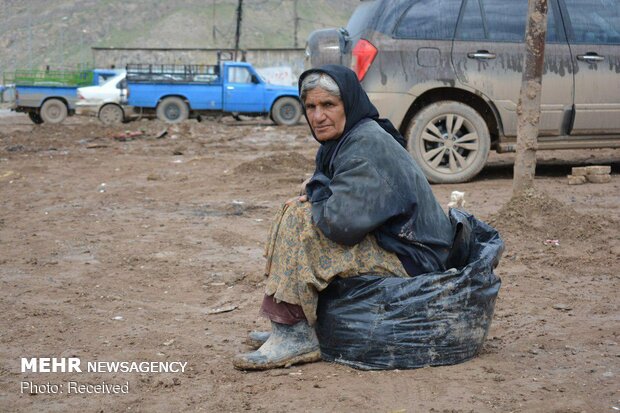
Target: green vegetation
(83, 77)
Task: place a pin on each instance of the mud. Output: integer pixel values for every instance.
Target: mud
(128, 246)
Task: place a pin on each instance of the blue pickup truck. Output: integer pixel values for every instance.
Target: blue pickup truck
(174, 93)
(50, 95)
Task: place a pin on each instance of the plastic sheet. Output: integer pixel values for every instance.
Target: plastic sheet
(372, 322)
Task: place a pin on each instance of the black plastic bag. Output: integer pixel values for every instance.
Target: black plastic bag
(372, 322)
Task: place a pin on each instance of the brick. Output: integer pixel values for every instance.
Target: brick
(598, 170)
(576, 180)
(599, 179)
(579, 171)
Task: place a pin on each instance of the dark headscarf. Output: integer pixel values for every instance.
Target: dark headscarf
(357, 107)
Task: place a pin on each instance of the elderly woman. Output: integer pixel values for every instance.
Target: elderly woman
(368, 209)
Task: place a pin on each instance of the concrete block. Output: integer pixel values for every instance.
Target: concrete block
(598, 170)
(599, 179)
(576, 179)
(579, 171)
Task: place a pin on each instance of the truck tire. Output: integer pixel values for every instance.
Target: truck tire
(286, 111)
(111, 114)
(35, 118)
(450, 141)
(53, 111)
(172, 110)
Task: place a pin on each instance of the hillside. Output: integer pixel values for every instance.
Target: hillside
(35, 33)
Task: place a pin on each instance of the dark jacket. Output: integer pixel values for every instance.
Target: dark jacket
(376, 187)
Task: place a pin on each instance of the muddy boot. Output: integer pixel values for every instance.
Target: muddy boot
(287, 345)
(257, 338)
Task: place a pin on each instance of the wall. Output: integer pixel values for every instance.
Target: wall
(119, 57)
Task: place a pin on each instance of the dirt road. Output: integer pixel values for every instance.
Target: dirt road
(126, 246)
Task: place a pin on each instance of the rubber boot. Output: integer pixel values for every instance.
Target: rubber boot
(257, 338)
(287, 345)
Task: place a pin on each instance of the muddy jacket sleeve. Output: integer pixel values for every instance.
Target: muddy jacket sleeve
(356, 201)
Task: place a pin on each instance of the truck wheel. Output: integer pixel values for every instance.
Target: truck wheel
(35, 118)
(53, 111)
(286, 111)
(172, 110)
(111, 114)
(450, 141)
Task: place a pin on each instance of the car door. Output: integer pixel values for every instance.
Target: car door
(593, 30)
(241, 91)
(488, 56)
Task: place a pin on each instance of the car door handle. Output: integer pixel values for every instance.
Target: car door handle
(481, 54)
(590, 57)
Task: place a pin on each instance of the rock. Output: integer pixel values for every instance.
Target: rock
(562, 307)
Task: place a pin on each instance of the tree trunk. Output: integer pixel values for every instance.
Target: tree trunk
(528, 110)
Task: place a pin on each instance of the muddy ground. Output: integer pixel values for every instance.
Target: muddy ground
(122, 246)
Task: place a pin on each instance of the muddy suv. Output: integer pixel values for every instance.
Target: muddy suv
(447, 73)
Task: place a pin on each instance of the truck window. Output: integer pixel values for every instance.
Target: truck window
(239, 75)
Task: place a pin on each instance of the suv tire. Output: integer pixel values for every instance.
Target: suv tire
(172, 110)
(450, 141)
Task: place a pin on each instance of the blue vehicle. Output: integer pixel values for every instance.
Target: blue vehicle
(174, 93)
(50, 96)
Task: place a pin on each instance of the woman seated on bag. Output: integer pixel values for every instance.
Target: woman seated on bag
(368, 209)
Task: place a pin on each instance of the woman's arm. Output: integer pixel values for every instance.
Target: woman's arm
(356, 201)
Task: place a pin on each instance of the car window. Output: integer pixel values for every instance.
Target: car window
(499, 21)
(429, 19)
(239, 75)
(594, 21)
(361, 18)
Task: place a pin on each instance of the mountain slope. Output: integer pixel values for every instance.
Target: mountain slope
(35, 33)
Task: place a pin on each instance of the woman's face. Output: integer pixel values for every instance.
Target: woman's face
(325, 114)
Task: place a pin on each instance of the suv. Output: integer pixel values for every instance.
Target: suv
(447, 73)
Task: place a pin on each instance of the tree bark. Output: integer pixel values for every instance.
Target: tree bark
(528, 109)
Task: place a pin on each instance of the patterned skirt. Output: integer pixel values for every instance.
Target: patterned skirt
(301, 261)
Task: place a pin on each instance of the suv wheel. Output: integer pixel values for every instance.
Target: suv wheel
(450, 141)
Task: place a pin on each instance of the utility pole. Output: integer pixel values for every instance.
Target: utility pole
(295, 22)
(238, 32)
(528, 109)
(213, 22)
(29, 40)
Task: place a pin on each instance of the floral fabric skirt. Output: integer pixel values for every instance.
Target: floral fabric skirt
(301, 261)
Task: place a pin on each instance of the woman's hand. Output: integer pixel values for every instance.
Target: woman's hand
(302, 198)
(302, 188)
